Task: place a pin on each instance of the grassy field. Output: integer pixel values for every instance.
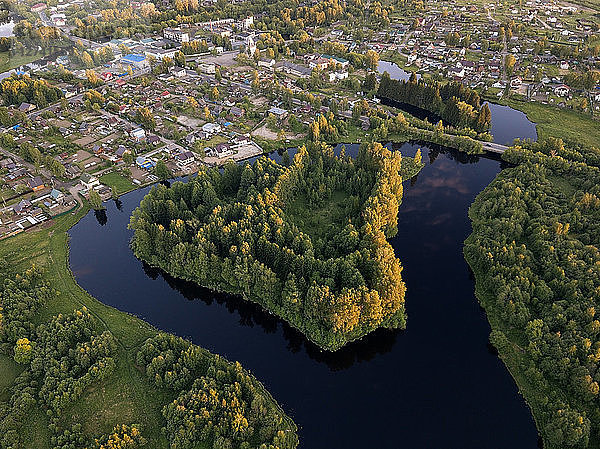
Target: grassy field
(315, 221)
(125, 397)
(571, 126)
(9, 370)
(116, 181)
(8, 61)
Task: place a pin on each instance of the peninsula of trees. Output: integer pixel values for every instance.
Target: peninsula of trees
(452, 102)
(77, 374)
(217, 402)
(306, 240)
(535, 252)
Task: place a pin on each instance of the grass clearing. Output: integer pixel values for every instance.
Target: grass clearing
(125, 397)
(8, 61)
(9, 370)
(117, 182)
(316, 221)
(569, 125)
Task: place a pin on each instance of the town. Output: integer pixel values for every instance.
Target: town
(225, 89)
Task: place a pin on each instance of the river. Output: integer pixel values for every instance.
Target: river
(507, 123)
(435, 385)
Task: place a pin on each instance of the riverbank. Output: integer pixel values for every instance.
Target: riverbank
(125, 396)
(533, 257)
(472, 405)
(571, 126)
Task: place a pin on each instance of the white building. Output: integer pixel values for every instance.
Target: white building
(88, 181)
(138, 134)
(160, 53)
(211, 128)
(176, 34)
(247, 22)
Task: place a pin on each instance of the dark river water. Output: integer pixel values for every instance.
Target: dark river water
(434, 385)
(507, 123)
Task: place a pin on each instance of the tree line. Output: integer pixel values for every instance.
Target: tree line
(18, 89)
(535, 254)
(216, 401)
(452, 102)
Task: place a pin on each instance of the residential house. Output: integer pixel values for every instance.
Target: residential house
(184, 158)
(138, 134)
(337, 76)
(211, 128)
(178, 72)
(145, 163)
(153, 140)
(22, 206)
(26, 107)
(36, 184)
(278, 112)
(236, 112)
(89, 181)
(562, 90)
(223, 150)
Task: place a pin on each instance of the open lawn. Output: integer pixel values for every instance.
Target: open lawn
(571, 126)
(9, 370)
(116, 181)
(8, 61)
(315, 221)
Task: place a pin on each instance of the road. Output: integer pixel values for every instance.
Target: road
(504, 47)
(544, 24)
(86, 42)
(32, 168)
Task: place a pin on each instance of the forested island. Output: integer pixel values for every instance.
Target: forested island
(454, 103)
(306, 239)
(535, 254)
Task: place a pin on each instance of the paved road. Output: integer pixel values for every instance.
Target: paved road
(86, 42)
(494, 147)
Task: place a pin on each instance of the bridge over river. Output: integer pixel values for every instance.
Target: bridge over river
(494, 147)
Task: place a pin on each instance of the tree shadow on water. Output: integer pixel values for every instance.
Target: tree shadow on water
(101, 217)
(250, 314)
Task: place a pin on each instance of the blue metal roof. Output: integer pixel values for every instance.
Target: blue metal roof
(134, 58)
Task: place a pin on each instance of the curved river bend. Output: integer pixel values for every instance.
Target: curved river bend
(435, 385)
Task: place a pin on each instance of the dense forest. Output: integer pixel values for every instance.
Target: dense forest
(15, 90)
(216, 400)
(454, 103)
(217, 403)
(307, 241)
(535, 254)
